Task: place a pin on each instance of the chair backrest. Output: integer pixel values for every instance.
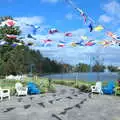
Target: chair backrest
(118, 82)
(111, 84)
(18, 85)
(99, 84)
(31, 85)
(10, 77)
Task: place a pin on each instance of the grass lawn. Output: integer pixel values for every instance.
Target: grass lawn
(44, 85)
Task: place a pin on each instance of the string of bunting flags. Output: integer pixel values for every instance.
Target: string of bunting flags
(91, 23)
(84, 41)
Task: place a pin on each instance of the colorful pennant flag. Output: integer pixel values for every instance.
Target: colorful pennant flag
(62, 41)
(73, 44)
(105, 43)
(35, 28)
(110, 34)
(30, 36)
(14, 45)
(2, 43)
(98, 28)
(81, 43)
(90, 27)
(90, 43)
(47, 41)
(84, 37)
(19, 44)
(82, 14)
(52, 31)
(118, 37)
(30, 43)
(11, 36)
(10, 22)
(61, 45)
(68, 34)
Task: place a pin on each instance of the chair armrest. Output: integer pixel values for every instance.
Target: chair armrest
(23, 89)
(117, 88)
(5, 90)
(26, 88)
(93, 87)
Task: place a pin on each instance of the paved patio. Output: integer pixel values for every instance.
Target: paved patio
(66, 104)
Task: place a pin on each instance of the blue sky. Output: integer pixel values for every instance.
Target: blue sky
(54, 11)
(58, 14)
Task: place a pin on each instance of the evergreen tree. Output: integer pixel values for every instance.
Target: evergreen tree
(17, 59)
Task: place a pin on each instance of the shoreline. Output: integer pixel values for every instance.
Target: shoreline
(88, 76)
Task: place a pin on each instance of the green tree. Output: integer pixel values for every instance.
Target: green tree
(112, 68)
(81, 67)
(98, 67)
(14, 60)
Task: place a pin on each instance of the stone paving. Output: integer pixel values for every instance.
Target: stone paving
(66, 104)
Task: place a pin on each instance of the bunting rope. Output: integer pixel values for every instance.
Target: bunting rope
(91, 21)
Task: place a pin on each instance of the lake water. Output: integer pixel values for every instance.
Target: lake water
(86, 76)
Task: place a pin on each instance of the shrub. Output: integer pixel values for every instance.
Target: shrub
(84, 88)
(12, 91)
(52, 89)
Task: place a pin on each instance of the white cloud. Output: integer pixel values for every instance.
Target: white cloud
(112, 8)
(69, 16)
(105, 18)
(30, 20)
(34, 20)
(111, 13)
(74, 55)
(79, 32)
(50, 1)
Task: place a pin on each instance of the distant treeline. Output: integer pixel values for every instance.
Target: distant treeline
(24, 60)
(97, 67)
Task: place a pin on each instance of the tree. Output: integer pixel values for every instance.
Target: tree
(81, 67)
(98, 67)
(112, 68)
(17, 59)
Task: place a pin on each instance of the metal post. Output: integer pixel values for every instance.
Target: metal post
(31, 69)
(89, 69)
(62, 68)
(76, 79)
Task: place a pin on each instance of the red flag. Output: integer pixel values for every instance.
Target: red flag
(47, 41)
(82, 14)
(61, 45)
(112, 35)
(11, 36)
(90, 43)
(10, 23)
(52, 31)
(84, 17)
(68, 34)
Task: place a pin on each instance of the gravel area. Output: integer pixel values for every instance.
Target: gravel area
(66, 104)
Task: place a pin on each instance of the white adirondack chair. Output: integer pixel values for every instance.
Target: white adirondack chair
(97, 88)
(20, 89)
(4, 93)
(10, 77)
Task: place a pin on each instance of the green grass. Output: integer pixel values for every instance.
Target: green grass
(43, 84)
